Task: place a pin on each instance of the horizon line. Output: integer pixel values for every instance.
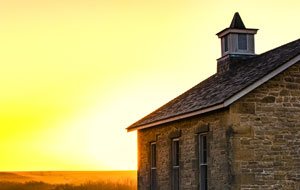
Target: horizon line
(67, 171)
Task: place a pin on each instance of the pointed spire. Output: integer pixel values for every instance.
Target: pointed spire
(237, 22)
(237, 43)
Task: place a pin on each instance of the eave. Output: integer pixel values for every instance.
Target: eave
(236, 31)
(225, 103)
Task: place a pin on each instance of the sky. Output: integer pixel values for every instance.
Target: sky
(75, 73)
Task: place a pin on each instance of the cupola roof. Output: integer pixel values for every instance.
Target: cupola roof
(237, 22)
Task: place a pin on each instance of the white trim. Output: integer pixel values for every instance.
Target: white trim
(228, 101)
(175, 139)
(237, 31)
(178, 117)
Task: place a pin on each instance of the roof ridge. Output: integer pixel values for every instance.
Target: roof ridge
(278, 47)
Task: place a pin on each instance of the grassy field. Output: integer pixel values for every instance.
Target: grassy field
(103, 180)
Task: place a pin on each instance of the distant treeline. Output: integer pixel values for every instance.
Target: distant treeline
(103, 185)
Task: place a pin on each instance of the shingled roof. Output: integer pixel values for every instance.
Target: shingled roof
(221, 89)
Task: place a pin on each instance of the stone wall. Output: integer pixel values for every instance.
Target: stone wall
(265, 135)
(253, 144)
(187, 131)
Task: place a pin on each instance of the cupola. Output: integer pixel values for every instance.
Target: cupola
(237, 41)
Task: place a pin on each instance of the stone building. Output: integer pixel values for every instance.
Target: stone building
(238, 129)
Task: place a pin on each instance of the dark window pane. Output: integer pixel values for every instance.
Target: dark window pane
(175, 164)
(226, 43)
(203, 177)
(153, 174)
(242, 41)
(175, 180)
(175, 153)
(203, 147)
(153, 179)
(204, 157)
(153, 155)
(204, 142)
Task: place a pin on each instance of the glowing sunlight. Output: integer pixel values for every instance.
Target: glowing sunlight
(75, 73)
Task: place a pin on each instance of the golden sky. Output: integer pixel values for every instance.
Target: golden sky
(75, 73)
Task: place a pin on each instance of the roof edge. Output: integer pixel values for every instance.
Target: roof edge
(178, 117)
(227, 102)
(236, 31)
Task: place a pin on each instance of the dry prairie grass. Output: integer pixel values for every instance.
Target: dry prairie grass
(86, 186)
(125, 180)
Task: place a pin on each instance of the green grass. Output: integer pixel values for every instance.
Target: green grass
(101, 185)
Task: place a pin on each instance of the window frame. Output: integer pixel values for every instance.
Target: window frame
(153, 166)
(175, 162)
(203, 160)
